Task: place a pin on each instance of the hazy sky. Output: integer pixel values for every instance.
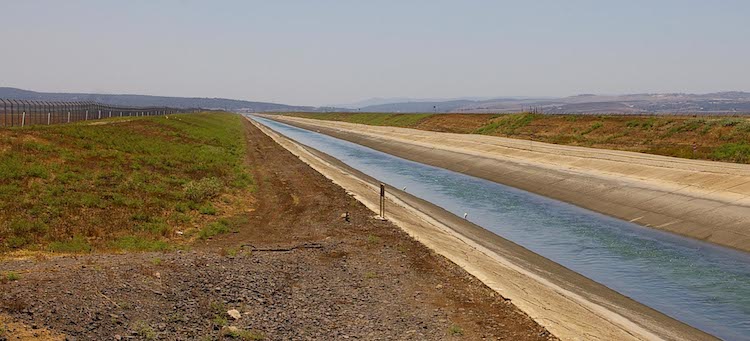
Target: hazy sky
(326, 52)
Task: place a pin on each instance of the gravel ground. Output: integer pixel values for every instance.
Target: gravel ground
(361, 279)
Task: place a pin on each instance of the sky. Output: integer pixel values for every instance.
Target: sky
(333, 52)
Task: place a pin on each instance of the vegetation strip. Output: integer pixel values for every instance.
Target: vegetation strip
(150, 183)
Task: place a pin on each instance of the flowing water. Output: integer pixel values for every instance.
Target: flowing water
(703, 285)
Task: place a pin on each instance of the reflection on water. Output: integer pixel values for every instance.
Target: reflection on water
(704, 285)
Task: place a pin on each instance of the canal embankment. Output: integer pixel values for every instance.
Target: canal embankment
(569, 305)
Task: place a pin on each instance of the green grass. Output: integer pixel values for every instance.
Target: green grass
(507, 124)
(733, 152)
(144, 331)
(214, 229)
(220, 321)
(594, 126)
(64, 185)
(455, 330)
(11, 276)
(373, 239)
(245, 335)
(77, 244)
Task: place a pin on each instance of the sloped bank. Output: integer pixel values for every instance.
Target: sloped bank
(699, 199)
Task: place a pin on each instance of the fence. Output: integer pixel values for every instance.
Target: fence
(20, 113)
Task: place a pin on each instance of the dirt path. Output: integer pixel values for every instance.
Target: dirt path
(363, 279)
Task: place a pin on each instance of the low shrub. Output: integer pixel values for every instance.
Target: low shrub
(203, 189)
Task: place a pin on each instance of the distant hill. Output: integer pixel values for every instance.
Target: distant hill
(147, 101)
(713, 103)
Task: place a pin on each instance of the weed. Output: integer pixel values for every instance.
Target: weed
(156, 228)
(594, 126)
(203, 189)
(156, 261)
(373, 239)
(731, 122)
(141, 217)
(220, 321)
(145, 331)
(455, 330)
(207, 210)
(77, 244)
(231, 252)
(181, 207)
(213, 229)
(371, 275)
(734, 152)
(217, 307)
(507, 124)
(11, 276)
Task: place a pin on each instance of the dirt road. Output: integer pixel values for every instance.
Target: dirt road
(700, 199)
(362, 279)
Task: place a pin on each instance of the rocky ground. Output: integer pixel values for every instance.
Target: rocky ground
(296, 271)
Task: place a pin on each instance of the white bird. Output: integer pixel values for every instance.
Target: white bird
(404, 189)
(466, 215)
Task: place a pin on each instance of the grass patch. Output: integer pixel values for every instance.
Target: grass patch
(144, 331)
(373, 239)
(231, 252)
(245, 335)
(594, 126)
(77, 244)
(125, 178)
(207, 210)
(220, 321)
(507, 124)
(203, 189)
(732, 152)
(214, 229)
(10, 276)
(455, 330)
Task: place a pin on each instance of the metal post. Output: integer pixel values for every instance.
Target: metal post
(382, 201)
(11, 112)
(5, 112)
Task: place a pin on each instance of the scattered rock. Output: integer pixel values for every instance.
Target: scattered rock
(234, 314)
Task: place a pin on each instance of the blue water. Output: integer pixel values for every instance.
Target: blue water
(703, 285)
